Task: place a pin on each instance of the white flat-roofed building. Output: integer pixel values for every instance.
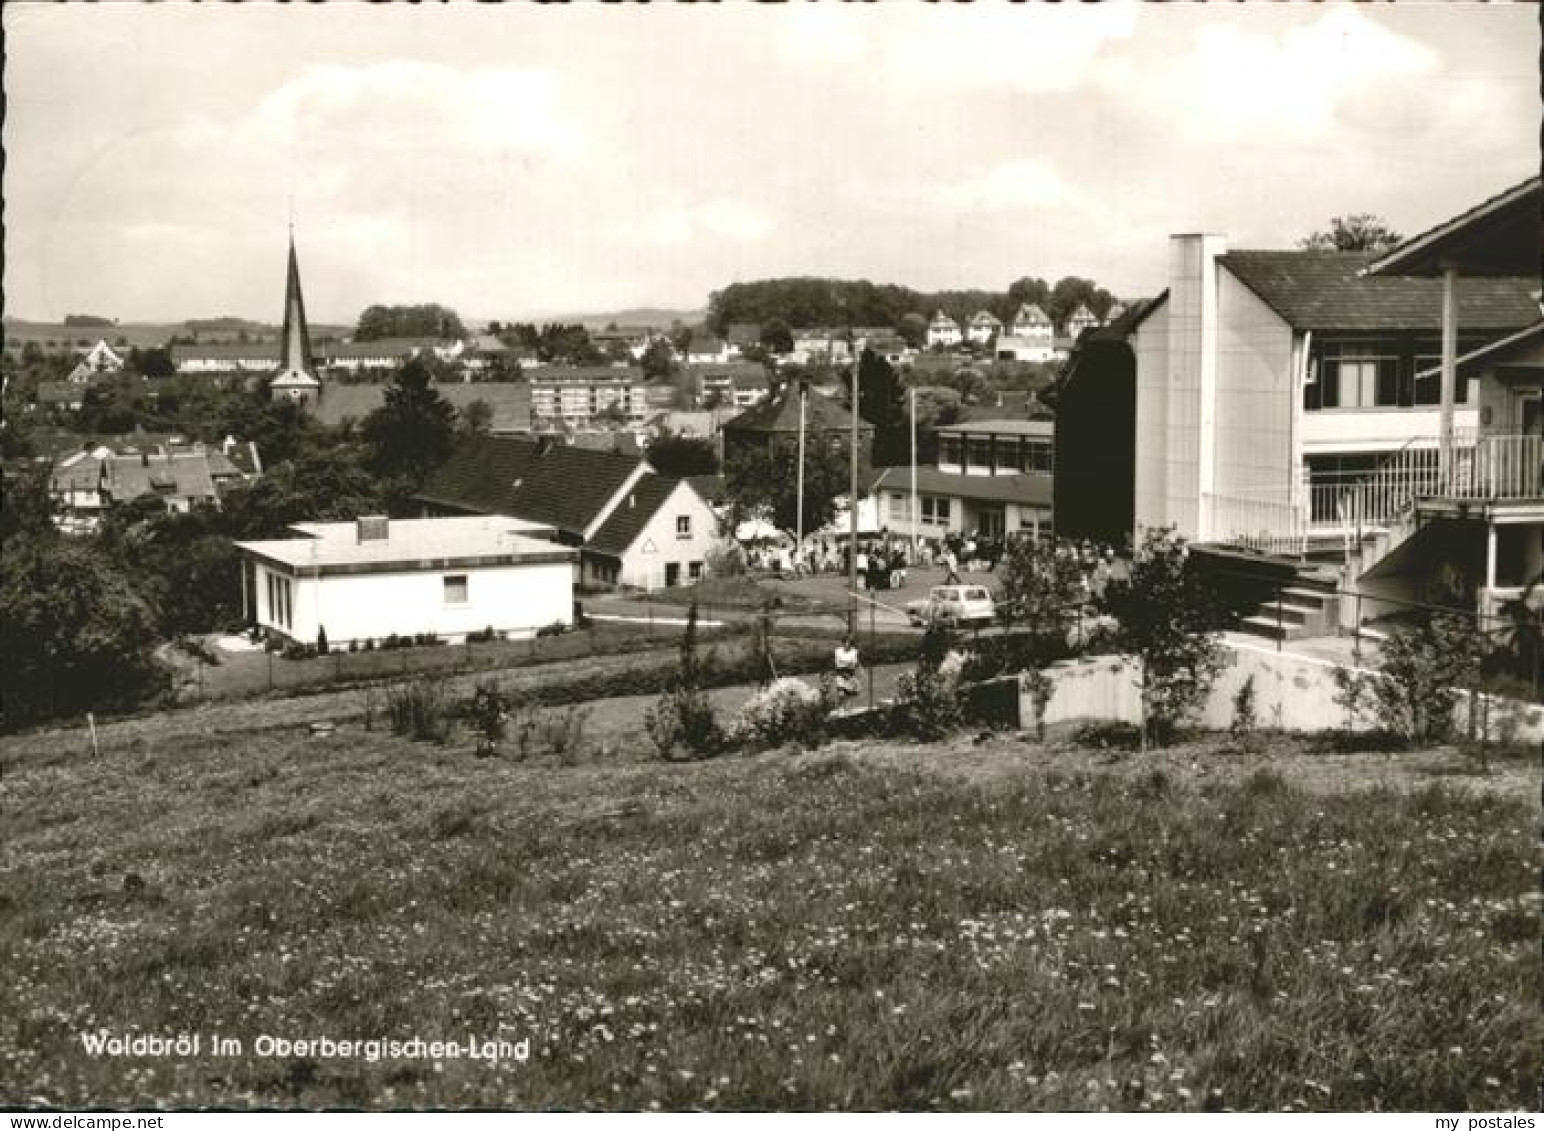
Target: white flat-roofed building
(378, 577)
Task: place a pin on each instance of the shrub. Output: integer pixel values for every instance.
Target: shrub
(1422, 669)
(1040, 687)
(786, 710)
(565, 732)
(1246, 717)
(419, 709)
(725, 559)
(488, 712)
(321, 640)
(1164, 618)
(928, 699)
(682, 721)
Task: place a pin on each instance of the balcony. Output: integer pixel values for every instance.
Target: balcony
(1483, 469)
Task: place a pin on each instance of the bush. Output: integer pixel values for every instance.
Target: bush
(419, 710)
(786, 710)
(1246, 717)
(1421, 671)
(683, 727)
(488, 712)
(928, 699)
(1165, 614)
(725, 559)
(565, 732)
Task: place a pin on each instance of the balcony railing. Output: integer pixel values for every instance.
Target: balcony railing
(1282, 520)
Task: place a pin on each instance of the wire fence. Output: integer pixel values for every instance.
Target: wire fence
(239, 675)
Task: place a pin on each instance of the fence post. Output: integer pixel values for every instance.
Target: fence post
(270, 669)
(337, 667)
(1279, 633)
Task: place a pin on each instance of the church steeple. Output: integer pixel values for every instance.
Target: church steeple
(296, 378)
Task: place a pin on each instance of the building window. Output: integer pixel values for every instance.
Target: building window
(694, 571)
(900, 509)
(980, 452)
(455, 589)
(683, 526)
(949, 450)
(280, 601)
(935, 511)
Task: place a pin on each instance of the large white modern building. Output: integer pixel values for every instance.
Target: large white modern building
(375, 577)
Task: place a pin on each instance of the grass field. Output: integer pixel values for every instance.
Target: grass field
(975, 925)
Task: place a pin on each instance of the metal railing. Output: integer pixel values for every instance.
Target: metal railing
(1281, 520)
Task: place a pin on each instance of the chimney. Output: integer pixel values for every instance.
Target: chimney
(372, 528)
(1191, 424)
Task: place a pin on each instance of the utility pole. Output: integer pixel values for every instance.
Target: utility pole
(799, 548)
(912, 513)
(852, 506)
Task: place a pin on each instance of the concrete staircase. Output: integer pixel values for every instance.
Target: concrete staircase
(1308, 606)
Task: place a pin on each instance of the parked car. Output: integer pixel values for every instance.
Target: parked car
(953, 606)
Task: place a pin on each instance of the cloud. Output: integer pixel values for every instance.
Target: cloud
(733, 220)
(1034, 47)
(423, 104)
(1241, 84)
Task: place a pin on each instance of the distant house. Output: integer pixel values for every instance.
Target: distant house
(774, 423)
(85, 483)
(375, 578)
(1029, 321)
(99, 361)
(385, 354)
(705, 349)
(1012, 347)
(983, 327)
(630, 525)
(943, 331)
(743, 335)
(1079, 320)
(225, 357)
(67, 395)
(737, 385)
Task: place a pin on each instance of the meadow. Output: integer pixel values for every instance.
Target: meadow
(971, 925)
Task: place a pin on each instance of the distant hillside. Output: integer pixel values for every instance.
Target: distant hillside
(56, 335)
(637, 316)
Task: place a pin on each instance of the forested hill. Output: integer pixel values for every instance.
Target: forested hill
(803, 301)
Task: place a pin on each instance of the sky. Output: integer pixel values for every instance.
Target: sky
(516, 162)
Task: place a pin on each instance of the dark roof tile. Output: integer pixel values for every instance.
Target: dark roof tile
(1324, 290)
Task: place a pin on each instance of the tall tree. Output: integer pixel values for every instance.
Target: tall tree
(1361, 231)
(882, 403)
(765, 485)
(78, 636)
(682, 455)
(409, 435)
(428, 320)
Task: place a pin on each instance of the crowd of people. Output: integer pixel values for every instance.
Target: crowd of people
(885, 559)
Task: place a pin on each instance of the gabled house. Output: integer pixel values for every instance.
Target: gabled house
(85, 483)
(704, 349)
(609, 506)
(774, 423)
(1032, 323)
(1079, 320)
(984, 326)
(943, 331)
(99, 361)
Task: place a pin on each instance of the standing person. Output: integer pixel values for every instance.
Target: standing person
(951, 566)
(846, 664)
